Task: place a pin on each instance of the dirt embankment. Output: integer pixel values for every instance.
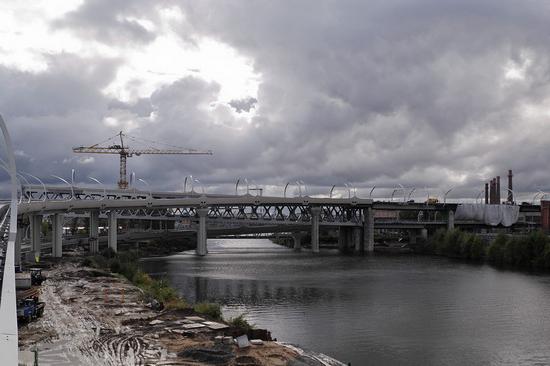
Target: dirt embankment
(95, 318)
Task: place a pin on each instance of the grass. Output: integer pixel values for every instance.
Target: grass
(211, 310)
(241, 323)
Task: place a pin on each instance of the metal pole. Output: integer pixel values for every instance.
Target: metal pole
(69, 184)
(102, 185)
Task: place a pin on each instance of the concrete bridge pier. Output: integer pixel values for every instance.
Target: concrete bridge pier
(368, 230)
(315, 214)
(297, 238)
(57, 235)
(202, 235)
(36, 228)
(342, 239)
(424, 234)
(113, 228)
(93, 232)
(451, 220)
(356, 235)
(412, 236)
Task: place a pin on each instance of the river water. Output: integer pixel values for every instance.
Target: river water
(377, 310)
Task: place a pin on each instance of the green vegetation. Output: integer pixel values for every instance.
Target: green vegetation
(127, 265)
(211, 310)
(241, 323)
(531, 251)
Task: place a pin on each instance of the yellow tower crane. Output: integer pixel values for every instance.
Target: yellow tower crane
(126, 152)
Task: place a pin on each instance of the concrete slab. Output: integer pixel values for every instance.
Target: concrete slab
(215, 326)
(195, 318)
(193, 326)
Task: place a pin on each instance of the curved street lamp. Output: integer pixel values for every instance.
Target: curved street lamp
(148, 186)
(410, 193)
(299, 188)
(39, 181)
(237, 187)
(392, 194)
(330, 193)
(372, 190)
(445, 196)
(479, 194)
(102, 185)
(404, 193)
(65, 181)
(201, 185)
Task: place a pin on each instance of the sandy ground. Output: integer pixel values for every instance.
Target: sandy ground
(94, 318)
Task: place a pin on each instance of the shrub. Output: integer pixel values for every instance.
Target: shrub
(477, 249)
(241, 323)
(211, 310)
(495, 253)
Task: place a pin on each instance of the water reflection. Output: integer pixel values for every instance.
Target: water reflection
(374, 310)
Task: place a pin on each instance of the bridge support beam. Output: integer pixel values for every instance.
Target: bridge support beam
(368, 230)
(451, 220)
(297, 237)
(356, 234)
(342, 237)
(93, 232)
(202, 234)
(57, 235)
(36, 229)
(113, 228)
(315, 214)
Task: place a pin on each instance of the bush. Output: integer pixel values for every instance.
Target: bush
(211, 310)
(495, 253)
(477, 249)
(241, 323)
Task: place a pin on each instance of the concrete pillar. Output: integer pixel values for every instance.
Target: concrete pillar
(424, 234)
(297, 237)
(57, 235)
(202, 235)
(357, 239)
(113, 228)
(368, 229)
(451, 220)
(315, 214)
(342, 245)
(412, 237)
(93, 232)
(36, 228)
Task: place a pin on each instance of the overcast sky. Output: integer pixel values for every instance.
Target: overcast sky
(422, 93)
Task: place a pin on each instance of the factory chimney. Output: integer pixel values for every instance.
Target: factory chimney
(498, 191)
(486, 193)
(510, 187)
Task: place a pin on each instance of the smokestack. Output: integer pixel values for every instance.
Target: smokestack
(486, 193)
(510, 187)
(498, 190)
(492, 192)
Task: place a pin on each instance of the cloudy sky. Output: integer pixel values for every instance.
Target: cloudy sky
(422, 93)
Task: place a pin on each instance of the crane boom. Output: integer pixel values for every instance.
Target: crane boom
(127, 152)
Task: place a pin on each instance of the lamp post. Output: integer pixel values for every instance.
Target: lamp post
(372, 190)
(237, 187)
(148, 186)
(39, 181)
(66, 182)
(330, 193)
(445, 196)
(102, 186)
(410, 194)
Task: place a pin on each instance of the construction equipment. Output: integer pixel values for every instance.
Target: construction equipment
(36, 276)
(29, 309)
(126, 152)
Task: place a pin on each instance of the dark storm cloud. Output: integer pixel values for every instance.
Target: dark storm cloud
(244, 104)
(372, 92)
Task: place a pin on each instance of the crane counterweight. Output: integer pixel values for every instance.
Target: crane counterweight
(126, 152)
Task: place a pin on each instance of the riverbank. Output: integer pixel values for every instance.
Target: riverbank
(96, 317)
(528, 252)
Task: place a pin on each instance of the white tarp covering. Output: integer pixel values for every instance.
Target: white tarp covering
(493, 215)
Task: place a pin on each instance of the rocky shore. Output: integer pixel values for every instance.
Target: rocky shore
(94, 317)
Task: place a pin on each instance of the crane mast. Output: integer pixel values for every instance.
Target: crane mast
(126, 152)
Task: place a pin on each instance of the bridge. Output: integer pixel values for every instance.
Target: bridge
(212, 215)
(356, 220)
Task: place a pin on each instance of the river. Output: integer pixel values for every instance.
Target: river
(372, 310)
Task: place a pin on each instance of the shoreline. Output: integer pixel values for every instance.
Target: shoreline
(96, 317)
